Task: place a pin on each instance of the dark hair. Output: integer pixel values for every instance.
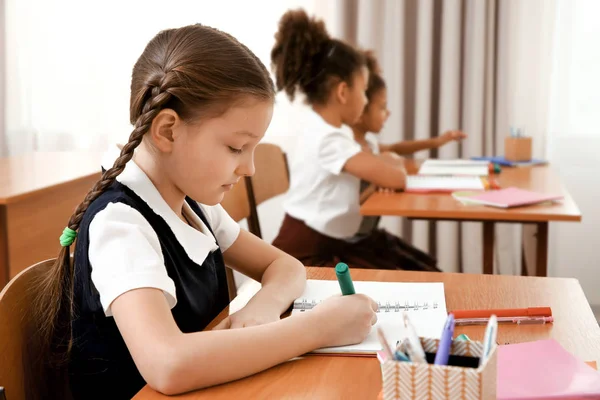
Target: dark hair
(305, 57)
(195, 70)
(376, 82)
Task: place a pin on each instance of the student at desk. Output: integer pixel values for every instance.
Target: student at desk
(322, 224)
(152, 240)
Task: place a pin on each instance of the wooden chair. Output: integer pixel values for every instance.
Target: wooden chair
(237, 206)
(16, 363)
(271, 179)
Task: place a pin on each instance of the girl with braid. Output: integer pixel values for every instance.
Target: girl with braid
(152, 241)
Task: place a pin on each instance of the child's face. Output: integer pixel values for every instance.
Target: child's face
(356, 98)
(376, 112)
(211, 156)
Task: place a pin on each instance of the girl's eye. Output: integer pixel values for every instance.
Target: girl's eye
(234, 150)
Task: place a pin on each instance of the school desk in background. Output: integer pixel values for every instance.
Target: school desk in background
(38, 193)
(443, 206)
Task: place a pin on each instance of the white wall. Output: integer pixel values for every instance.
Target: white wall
(574, 246)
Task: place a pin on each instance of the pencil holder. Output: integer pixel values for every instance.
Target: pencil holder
(462, 378)
(517, 148)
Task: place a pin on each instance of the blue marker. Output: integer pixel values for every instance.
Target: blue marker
(443, 351)
(400, 356)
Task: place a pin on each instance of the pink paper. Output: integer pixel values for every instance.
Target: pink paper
(513, 197)
(544, 370)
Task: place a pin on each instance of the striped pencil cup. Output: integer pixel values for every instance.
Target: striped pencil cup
(406, 380)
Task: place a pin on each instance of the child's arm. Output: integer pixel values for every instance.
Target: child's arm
(379, 170)
(282, 277)
(172, 362)
(412, 146)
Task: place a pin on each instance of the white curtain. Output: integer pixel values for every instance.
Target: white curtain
(574, 139)
(69, 62)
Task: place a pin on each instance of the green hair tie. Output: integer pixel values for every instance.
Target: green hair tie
(68, 237)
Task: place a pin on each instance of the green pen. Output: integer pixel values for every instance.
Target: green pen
(463, 337)
(344, 279)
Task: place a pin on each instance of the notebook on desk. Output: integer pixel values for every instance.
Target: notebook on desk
(455, 167)
(443, 184)
(544, 370)
(425, 303)
(508, 198)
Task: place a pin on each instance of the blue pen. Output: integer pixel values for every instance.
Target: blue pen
(443, 351)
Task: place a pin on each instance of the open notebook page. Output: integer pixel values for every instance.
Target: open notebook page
(454, 167)
(448, 183)
(425, 304)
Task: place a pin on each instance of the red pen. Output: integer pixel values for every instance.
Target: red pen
(513, 320)
(506, 312)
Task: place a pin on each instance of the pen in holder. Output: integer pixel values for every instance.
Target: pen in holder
(516, 146)
(462, 379)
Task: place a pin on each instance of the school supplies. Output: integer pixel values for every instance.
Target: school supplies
(447, 184)
(344, 279)
(400, 356)
(506, 163)
(456, 168)
(462, 336)
(489, 339)
(413, 343)
(384, 344)
(443, 351)
(460, 379)
(424, 302)
(518, 148)
(507, 198)
(504, 312)
(513, 320)
(541, 370)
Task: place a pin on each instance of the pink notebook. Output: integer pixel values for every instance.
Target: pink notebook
(544, 370)
(510, 197)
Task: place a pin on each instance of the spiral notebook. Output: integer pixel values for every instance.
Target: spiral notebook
(424, 302)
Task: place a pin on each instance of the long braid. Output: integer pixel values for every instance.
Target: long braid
(158, 98)
(54, 332)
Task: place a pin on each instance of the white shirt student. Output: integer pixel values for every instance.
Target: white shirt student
(320, 193)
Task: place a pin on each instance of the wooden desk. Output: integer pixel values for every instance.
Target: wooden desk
(331, 377)
(445, 207)
(38, 194)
